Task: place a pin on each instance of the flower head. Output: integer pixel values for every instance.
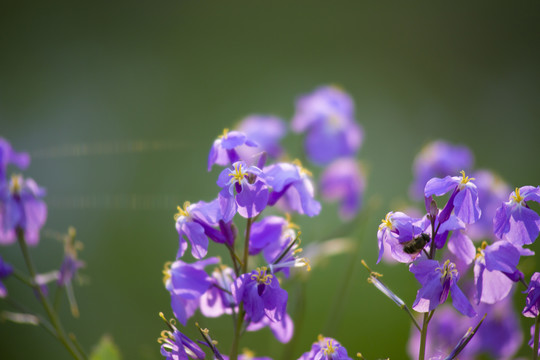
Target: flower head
(326, 349)
(533, 297)
(225, 148)
(177, 346)
(514, 221)
(21, 207)
(10, 156)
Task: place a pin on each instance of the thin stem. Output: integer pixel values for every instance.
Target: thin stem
(23, 278)
(44, 323)
(48, 308)
(423, 335)
(77, 344)
(536, 333)
(246, 245)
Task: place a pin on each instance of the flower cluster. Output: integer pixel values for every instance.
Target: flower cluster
(479, 277)
(255, 177)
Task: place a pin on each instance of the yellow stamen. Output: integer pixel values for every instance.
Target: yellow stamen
(15, 187)
(302, 169)
(248, 354)
(182, 212)
(480, 250)
(517, 196)
(464, 179)
(290, 224)
(166, 271)
(262, 277)
(386, 222)
(329, 348)
(238, 174)
(225, 133)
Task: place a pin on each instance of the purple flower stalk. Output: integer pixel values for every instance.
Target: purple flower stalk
(194, 222)
(21, 207)
(533, 297)
(244, 191)
(326, 349)
(438, 159)
(515, 221)
(10, 156)
(343, 181)
(463, 200)
(327, 114)
(292, 188)
(261, 294)
(437, 281)
(5, 271)
(225, 148)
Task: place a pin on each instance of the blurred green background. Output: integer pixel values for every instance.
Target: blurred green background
(118, 103)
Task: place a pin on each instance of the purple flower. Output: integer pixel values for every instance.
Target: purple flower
(326, 349)
(10, 156)
(195, 221)
(533, 297)
(283, 330)
(261, 294)
(225, 148)
(531, 341)
(187, 283)
(267, 232)
(218, 300)
(327, 114)
(244, 191)
(463, 200)
(21, 207)
(266, 131)
(5, 271)
(395, 230)
(177, 346)
(437, 159)
(437, 281)
(492, 191)
(515, 221)
(494, 269)
(292, 188)
(342, 180)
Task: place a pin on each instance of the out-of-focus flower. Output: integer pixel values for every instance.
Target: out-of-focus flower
(533, 297)
(261, 294)
(437, 281)
(492, 191)
(187, 283)
(463, 200)
(514, 221)
(225, 148)
(218, 300)
(244, 191)
(266, 131)
(194, 221)
(327, 114)
(326, 349)
(10, 156)
(21, 207)
(438, 159)
(291, 184)
(343, 181)
(5, 271)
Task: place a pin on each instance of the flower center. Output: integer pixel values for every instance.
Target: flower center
(166, 272)
(517, 198)
(480, 250)
(387, 222)
(448, 270)
(262, 277)
(329, 348)
(182, 212)
(464, 180)
(15, 186)
(238, 174)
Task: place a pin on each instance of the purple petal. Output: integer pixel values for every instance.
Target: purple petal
(460, 301)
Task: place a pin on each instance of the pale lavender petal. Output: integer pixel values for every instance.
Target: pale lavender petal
(462, 246)
(252, 199)
(438, 187)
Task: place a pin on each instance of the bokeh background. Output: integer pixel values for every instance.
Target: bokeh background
(119, 102)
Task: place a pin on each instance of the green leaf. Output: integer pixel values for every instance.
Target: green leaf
(105, 350)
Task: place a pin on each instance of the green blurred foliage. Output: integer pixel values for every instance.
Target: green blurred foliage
(119, 102)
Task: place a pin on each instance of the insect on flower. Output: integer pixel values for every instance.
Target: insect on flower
(416, 245)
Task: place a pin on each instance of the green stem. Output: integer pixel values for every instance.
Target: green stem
(246, 246)
(423, 335)
(61, 335)
(536, 333)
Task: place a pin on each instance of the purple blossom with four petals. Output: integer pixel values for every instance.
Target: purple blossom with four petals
(514, 221)
(177, 346)
(533, 297)
(10, 156)
(437, 281)
(225, 148)
(326, 349)
(396, 229)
